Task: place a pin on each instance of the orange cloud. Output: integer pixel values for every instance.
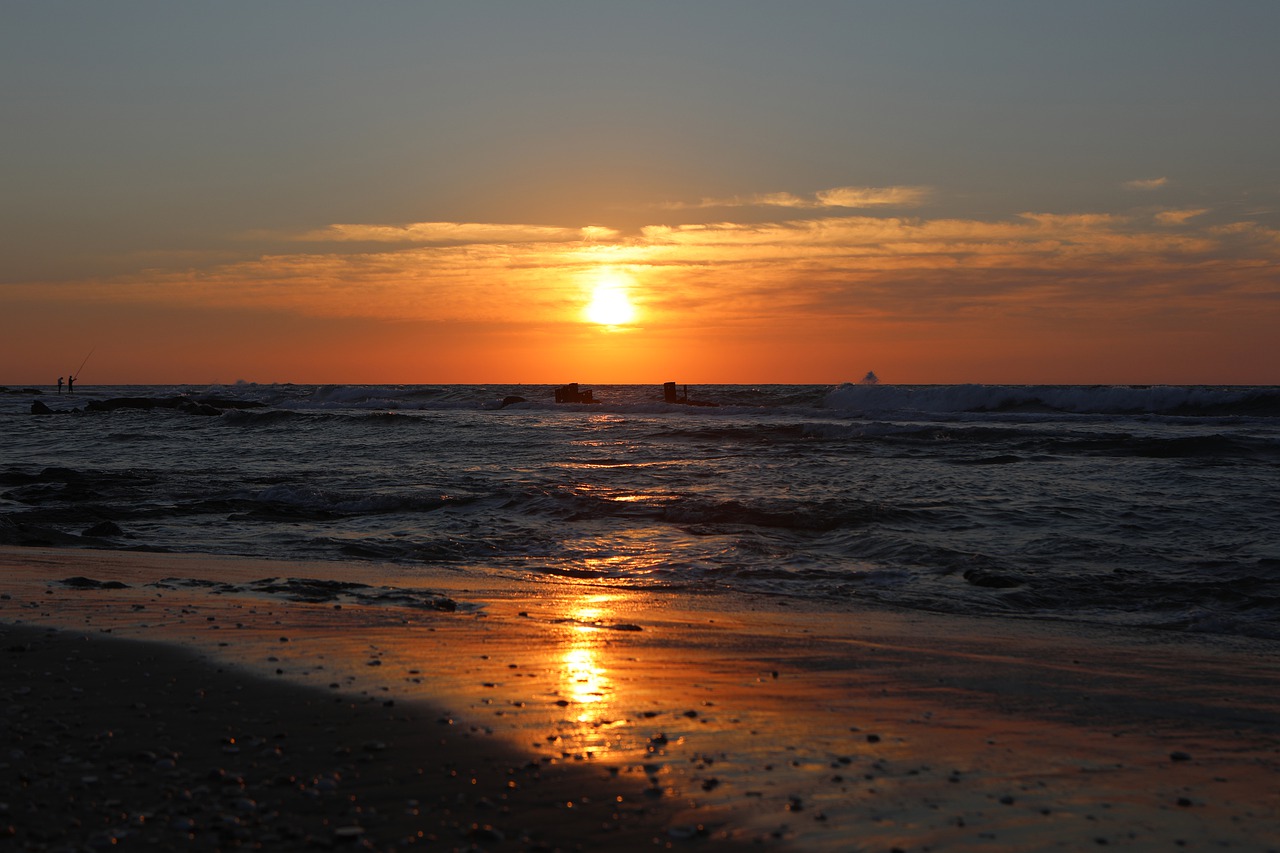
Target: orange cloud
(1179, 217)
(449, 232)
(872, 196)
(849, 197)
(729, 274)
(1146, 184)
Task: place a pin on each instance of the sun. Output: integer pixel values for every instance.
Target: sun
(610, 305)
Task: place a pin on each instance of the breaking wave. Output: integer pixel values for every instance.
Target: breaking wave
(1179, 400)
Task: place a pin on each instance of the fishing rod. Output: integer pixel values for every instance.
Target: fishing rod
(83, 363)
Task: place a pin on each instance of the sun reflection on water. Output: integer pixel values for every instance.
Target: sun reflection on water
(584, 679)
(585, 682)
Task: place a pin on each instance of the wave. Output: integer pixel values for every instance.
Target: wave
(372, 396)
(288, 500)
(1000, 445)
(882, 400)
(622, 399)
(1212, 446)
(266, 417)
(1174, 400)
(702, 514)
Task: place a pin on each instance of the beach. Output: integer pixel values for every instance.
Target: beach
(233, 701)
(835, 427)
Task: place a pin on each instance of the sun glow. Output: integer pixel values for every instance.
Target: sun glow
(610, 304)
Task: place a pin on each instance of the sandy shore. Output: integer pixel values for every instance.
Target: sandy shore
(192, 700)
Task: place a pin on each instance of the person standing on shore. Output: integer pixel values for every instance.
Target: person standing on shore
(59, 384)
(71, 384)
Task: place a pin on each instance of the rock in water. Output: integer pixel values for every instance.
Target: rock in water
(104, 528)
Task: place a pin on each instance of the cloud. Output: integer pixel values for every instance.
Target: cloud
(1178, 217)
(858, 197)
(449, 232)
(1146, 184)
(847, 197)
(718, 273)
(598, 232)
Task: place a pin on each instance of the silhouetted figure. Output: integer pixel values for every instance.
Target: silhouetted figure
(71, 385)
(59, 384)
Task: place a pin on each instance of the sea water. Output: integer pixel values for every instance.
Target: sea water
(1151, 507)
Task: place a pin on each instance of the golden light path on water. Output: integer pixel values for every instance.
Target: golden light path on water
(584, 679)
(586, 683)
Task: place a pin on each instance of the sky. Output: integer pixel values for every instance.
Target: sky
(626, 192)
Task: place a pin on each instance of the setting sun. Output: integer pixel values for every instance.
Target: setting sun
(610, 305)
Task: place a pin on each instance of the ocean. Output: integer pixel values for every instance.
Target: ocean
(1146, 507)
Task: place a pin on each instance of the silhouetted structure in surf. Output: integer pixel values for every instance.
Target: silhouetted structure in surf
(570, 394)
(669, 395)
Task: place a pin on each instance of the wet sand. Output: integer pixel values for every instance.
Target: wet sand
(144, 746)
(187, 700)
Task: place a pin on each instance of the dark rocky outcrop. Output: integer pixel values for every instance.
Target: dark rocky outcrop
(82, 582)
